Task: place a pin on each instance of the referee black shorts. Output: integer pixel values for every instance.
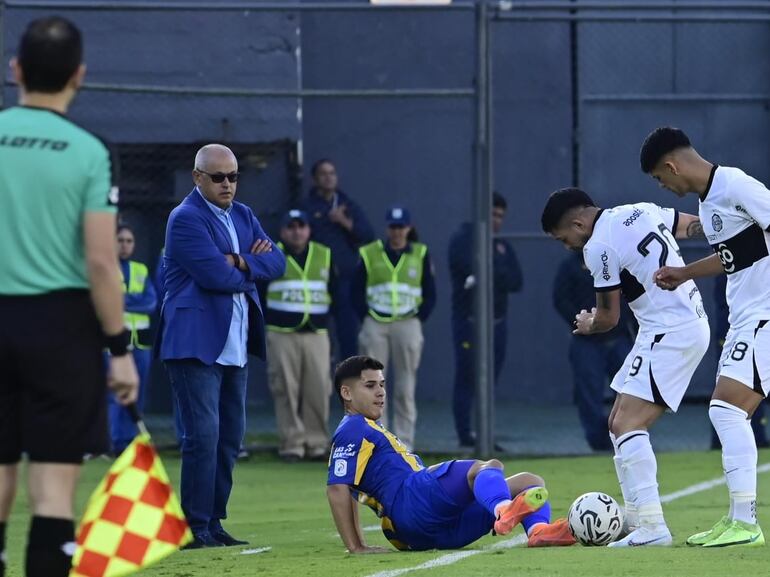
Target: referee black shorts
(52, 378)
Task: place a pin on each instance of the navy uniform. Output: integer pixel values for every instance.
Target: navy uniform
(507, 279)
(141, 301)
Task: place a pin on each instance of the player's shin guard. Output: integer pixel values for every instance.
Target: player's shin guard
(640, 475)
(2, 549)
(490, 489)
(542, 515)
(50, 547)
(631, 517)
(739, 458)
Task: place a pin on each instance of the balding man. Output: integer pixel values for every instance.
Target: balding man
(210, 321)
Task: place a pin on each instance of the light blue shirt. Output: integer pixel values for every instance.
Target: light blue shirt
(234, 353)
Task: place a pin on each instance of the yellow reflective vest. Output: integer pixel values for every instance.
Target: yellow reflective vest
(301, 296)
(137, 323)
(393, 292)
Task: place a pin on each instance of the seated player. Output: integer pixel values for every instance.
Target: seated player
(446, 506)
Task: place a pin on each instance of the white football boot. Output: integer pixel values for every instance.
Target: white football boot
(646, 536)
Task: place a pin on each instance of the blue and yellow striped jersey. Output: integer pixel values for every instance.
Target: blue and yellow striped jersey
(371, 460)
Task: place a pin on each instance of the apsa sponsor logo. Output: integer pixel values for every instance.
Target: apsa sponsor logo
(605, 266)
(634, 215)
(340, 467)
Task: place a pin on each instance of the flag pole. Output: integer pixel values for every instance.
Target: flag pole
(137, 418)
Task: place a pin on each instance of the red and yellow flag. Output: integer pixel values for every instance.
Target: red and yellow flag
(133, 518)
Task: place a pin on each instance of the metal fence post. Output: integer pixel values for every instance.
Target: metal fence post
(482, 239)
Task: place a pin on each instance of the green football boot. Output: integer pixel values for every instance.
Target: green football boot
(700, 538)
(738, 533)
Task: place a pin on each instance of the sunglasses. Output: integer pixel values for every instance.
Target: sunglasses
(219, 177)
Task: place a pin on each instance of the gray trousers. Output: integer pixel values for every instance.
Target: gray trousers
(298, 376)
(401, 343)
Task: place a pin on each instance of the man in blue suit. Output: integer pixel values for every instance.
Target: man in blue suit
(211, 318)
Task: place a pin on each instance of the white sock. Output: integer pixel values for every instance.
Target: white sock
(640, 473)
(631, 516)
(502, 503)
(739, 458)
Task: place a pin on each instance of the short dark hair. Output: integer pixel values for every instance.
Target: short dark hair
(659, 143)
(352, 367)
(317, 164)
(560, 203)
(498, 201)
(50, 51)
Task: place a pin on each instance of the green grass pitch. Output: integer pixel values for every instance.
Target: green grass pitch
(284, 507)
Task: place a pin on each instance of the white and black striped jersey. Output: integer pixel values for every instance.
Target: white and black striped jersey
(628, 244)
(735, 214)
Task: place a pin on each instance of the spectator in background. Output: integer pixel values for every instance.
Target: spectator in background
(339, 223)
(140, 301)
(721, 325)
(594, 358)
(507, 279)
(298, 351)
(211, 319)
(395, 290)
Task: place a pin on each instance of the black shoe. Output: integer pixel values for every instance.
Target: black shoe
(290, 458)
(203, 541)
(224, 538)
(602, 444)
(468, 441)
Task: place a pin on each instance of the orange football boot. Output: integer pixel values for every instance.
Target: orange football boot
(525, 503)
(556, 534)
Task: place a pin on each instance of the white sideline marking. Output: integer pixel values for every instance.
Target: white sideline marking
(704, 486)
(522, 539)
(454, 557)
(369, 528)
(255, 551)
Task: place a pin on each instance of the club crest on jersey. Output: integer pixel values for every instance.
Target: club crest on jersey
(716, 222)
(340, 468)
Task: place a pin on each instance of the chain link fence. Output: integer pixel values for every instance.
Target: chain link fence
(389, 92)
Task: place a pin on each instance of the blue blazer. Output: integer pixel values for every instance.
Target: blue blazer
(199, 284)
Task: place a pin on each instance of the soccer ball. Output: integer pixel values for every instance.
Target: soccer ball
(595, 519)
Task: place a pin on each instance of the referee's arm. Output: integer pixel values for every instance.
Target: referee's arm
(102, 268)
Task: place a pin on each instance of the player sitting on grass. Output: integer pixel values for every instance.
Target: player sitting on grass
(445, 506)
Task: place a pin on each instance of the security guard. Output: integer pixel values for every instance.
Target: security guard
(140, 302)
(298, 350)
(395, 290)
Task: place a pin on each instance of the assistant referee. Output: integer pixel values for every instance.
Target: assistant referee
(61, 300)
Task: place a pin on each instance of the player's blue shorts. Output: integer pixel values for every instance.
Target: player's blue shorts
(436, 509)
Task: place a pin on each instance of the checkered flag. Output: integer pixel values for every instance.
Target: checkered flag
(133, 518)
